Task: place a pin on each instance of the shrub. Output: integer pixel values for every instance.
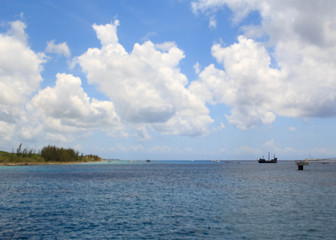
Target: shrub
(55, 154)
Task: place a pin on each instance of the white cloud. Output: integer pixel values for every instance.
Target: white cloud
(166, 46)
(212, 22)
(248, 85)
(59, 49)
(107, 34)
(303, 84)
(20, 69)
(17, 31)
(241, 8)
(66, 108)
(6, 131)
(141, 132)
(197, 67)
(20, 77)
(146, 84)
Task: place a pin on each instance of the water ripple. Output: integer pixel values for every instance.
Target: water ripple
(168, 201)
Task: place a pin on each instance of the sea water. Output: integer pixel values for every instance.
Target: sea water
(168, 200)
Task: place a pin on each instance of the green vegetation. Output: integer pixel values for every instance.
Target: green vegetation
(48, 155)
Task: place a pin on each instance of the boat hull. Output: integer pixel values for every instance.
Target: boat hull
(273, 160)
(270, 161)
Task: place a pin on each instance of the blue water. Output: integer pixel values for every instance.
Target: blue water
(167, 200)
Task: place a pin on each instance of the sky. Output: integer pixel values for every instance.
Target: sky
(170, 79)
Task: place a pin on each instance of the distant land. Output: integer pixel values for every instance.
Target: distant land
(48, 155)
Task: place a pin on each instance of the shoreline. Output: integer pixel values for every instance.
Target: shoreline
(13, 164)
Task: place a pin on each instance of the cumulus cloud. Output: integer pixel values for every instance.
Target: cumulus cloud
(301, 81)
(66, 108)
(248, 85)
(55, 113)
(20, 68)
(107, 34)
(145, 85)
(17, 31)
(20, 77)
(59, 49)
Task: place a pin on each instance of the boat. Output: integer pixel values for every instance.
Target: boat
(273, 160)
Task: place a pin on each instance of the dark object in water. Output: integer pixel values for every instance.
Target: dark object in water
(274, 160)
(301, 163)
(147, 160)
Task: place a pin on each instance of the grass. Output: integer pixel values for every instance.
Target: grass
(7, 158)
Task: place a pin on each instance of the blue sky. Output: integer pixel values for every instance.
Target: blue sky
(170, 79)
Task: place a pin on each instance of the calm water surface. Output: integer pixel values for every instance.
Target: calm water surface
(167, 200)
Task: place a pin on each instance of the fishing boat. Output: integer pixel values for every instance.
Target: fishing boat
(273, 160)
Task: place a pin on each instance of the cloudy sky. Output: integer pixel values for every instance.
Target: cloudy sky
(170, 79)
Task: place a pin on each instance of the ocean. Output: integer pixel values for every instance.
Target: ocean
(169, 200)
